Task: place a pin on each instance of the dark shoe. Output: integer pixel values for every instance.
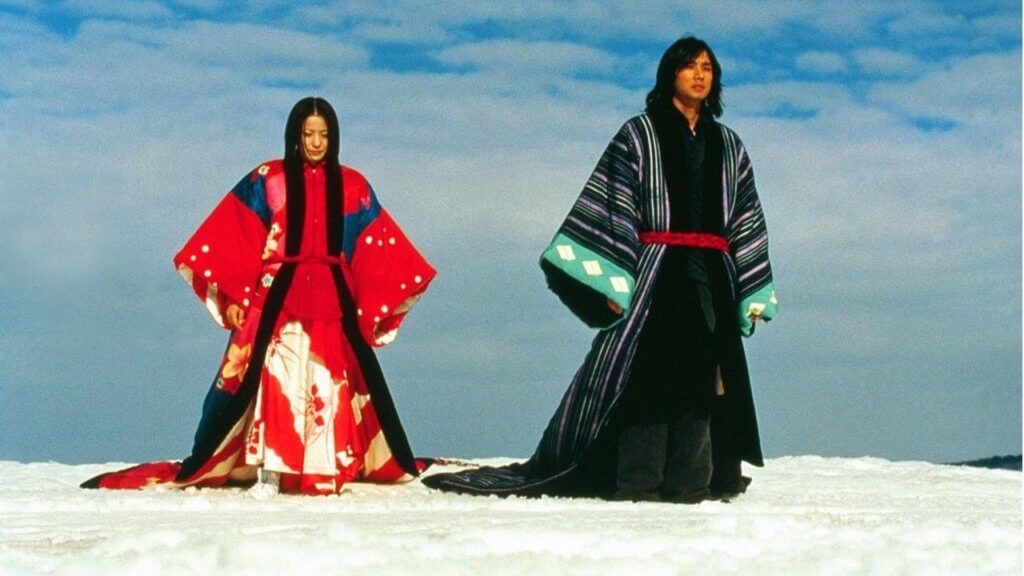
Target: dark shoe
(731, 491)
(694, 497)
(624, 496)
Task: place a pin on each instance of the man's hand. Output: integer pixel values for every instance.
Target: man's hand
(614, 307)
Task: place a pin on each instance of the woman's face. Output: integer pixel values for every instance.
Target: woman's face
(314, 139)
(693, 80)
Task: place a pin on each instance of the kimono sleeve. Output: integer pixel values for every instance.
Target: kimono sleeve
(388, 273)
(222, 259)
(591, 262)
(748, 245)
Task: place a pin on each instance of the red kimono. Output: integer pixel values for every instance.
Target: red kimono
(321, 277)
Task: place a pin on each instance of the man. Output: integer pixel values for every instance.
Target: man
(666, 252)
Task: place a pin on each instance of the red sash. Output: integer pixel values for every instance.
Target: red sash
(691, 239)
(336, 260)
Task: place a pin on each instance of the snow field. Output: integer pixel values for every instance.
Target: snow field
(803, 515)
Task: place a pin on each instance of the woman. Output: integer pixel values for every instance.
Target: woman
(666, 252)
(301, 262)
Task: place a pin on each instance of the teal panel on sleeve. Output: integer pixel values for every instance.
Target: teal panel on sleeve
(762, 303)
(591, 270)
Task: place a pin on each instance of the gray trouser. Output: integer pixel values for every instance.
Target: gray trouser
(671, 459)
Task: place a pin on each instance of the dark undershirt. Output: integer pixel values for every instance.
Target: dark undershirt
(686, 209)
(674, 366)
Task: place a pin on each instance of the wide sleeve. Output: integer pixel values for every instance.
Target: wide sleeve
(222, 259)
(591, 262)
(388, 273)
(748, 245)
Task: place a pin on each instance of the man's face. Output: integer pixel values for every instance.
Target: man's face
(693, 81)
(314, 139)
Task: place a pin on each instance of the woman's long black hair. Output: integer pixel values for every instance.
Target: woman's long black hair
(293, 160)
(679, 54)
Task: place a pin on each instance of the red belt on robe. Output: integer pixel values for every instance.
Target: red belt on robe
(689, 239)
(305, 260)
(316, 297)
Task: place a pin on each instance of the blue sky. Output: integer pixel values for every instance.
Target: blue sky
(886, 139)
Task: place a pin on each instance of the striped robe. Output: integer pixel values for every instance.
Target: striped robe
(596, 257)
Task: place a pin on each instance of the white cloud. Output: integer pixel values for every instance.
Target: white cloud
(733, 17)
(21, 34)
(202, 5)
(532, 58)
(914, 23)
(801, 97)
(174, 87)
(261, 48)
(1006, 25)
(888, 62)
(134, 10)
(821, 62)
(869, 213)
(28, 5)
(173, 66)
(853, 21)
(982, 90)
(414, 21)
(423, 22)
(403, 32)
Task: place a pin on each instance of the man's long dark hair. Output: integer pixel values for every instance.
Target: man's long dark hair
(679, 54)
(293, 160)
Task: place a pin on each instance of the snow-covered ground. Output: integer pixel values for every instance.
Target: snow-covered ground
(803, 515)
